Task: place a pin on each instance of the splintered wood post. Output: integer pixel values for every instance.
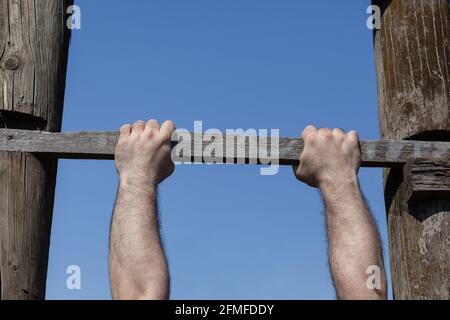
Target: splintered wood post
(413, 71)
(33, 60)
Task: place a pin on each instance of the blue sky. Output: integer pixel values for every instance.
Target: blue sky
(229, 232)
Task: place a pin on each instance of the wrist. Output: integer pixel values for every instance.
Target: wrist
(339, 184)
(145, 183)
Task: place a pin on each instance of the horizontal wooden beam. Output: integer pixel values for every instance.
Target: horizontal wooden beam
(101, 145)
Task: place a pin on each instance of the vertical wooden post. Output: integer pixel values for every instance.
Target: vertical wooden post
(412, 52)
(33, 60)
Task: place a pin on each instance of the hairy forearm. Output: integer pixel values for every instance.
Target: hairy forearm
(354, 242)
(138, 267)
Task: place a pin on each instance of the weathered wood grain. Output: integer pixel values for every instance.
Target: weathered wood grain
(33, 40)
(33, 59)
(412, 53)
(427, 179)
(101, 145)
(26, 204)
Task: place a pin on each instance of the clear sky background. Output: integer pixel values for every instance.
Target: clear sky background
(229, 232)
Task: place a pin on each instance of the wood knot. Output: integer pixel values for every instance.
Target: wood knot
(10, 137)
(11, 63)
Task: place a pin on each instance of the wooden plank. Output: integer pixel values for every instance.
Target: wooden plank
(101, 145)
(412, 53)
(427, 180)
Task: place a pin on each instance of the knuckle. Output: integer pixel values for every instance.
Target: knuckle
(312, 139)
(305, 158)
(327, 135)
(151, 131)
(302, 157)
(153, 123)
(353, 136)
(122, 141)
(308, 130)
(326, 132)
(338, 132)
(311, 142)
(165, 138)
(157, 138)
(339, 135)
(121, 144)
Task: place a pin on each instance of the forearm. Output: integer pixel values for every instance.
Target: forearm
(354, 242)
(138, 267)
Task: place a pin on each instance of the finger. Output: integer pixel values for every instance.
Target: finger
(308, 131)
(167, 129)
(326, 131)
(138, 127)
(125, 130)
(153, 123)
(338, 132)
(353, 136)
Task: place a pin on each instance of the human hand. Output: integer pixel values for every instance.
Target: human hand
(143, 153)
(328, 157)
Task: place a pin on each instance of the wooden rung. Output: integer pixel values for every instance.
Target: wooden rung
(101, 145)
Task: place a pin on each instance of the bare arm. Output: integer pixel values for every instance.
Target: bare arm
(138, 267)
(330, 162)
